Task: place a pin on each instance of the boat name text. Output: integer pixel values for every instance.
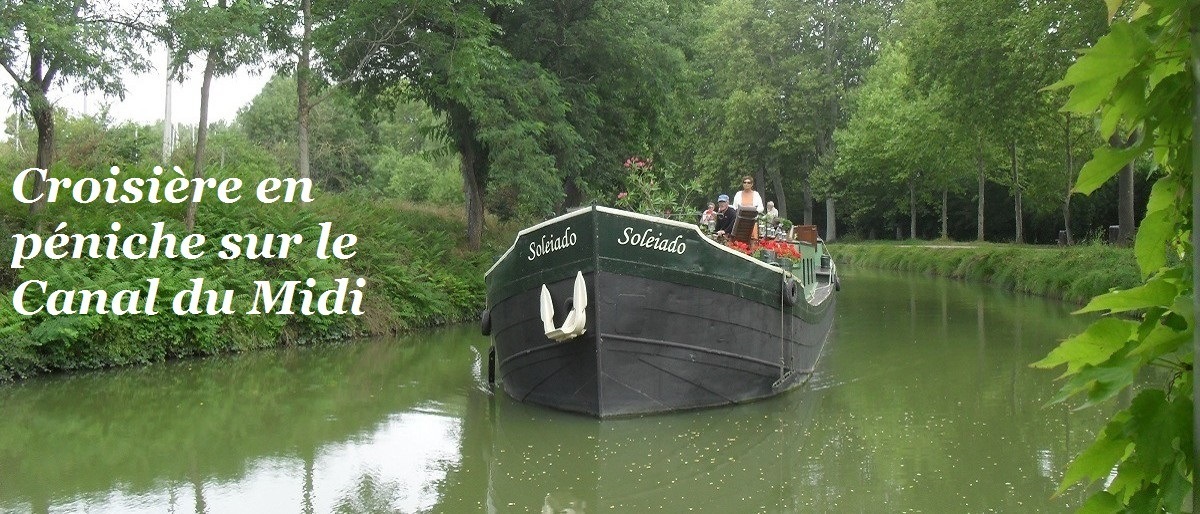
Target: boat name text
(545, 246)
(658, 242)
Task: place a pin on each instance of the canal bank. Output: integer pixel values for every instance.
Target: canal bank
(1071, 273)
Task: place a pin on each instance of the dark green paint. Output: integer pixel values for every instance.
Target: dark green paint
(701, 264)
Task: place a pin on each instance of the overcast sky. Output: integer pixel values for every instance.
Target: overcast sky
(145, 96)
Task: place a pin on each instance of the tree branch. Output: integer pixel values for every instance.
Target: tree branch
(13, 73)
(48, 79)
(372, 47)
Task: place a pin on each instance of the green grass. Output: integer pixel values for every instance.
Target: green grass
(1074, 273)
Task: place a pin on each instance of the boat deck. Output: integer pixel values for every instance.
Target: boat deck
(826, 284)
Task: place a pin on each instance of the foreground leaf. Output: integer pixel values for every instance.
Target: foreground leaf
(1106, 162)
(1102, 502)
(1094, 346)
(1150, 245)
(1098, 460)
(1151, 294)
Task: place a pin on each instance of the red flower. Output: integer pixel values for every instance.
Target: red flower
(740, 246)
(622, 195)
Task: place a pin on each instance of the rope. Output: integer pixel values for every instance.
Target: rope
(782, 315)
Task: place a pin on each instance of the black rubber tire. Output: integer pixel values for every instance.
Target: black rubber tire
(485, 322)
(791, 291)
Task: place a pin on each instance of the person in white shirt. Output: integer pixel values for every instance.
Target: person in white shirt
(771, 210)
(747, 198)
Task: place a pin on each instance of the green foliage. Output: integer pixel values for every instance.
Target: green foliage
(537, 96)
(966, 77)
(777, 81)
(884, 149)
(88, 43)
(231, 31)
(414, 160)
(656, 190)
(419, 179)
(1138, 76)
(340, 141)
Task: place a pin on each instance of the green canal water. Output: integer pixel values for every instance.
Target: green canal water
(924, 402)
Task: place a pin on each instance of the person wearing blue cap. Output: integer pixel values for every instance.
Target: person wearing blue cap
(725, 215)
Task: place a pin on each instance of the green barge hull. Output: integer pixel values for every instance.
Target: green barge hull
(612, 313)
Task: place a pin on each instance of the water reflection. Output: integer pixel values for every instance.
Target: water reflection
(723, 460)
(310, 428)
(924, 402)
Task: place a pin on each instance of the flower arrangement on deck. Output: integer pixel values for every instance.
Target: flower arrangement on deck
(768, 250)
(782, 249)
(655, 190)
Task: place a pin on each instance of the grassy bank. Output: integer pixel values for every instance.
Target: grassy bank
(417, 275)
(1074, 273)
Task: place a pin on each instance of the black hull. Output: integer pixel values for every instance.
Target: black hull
(656, 346)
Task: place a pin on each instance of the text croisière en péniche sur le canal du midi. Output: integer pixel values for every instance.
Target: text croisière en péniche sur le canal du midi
(34, 296)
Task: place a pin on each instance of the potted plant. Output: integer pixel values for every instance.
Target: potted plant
(786, 263)
(785, 227)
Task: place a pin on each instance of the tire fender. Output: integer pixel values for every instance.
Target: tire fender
(791, 291)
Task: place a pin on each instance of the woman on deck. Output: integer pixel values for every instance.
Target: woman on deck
(748, 198)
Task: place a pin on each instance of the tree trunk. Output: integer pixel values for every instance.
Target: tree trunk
(807, 199)
(302, 102)
(473, 194)
(168, 142)
(982, 180)
(912, 208)
(473, 168)
(776, 179)
(572, 194)
(830, 222)
(945, 208)
(1125, 193)
(210, 63)
(1016, 170)
(43, 119)
(1070, 179)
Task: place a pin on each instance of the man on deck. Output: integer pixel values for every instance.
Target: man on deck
(725, 215)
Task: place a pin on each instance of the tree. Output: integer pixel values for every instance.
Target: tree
(343, 149)
(1048, 34)
(289, 31)
(303, 79)
(531, 100)
(44, 44)
(228, 35)
(778, 77)
(993, 57)
(891, 123)
(962, 51)
(1137, 76)
(621, 70)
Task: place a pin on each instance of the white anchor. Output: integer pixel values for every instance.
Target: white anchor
(576, 322)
